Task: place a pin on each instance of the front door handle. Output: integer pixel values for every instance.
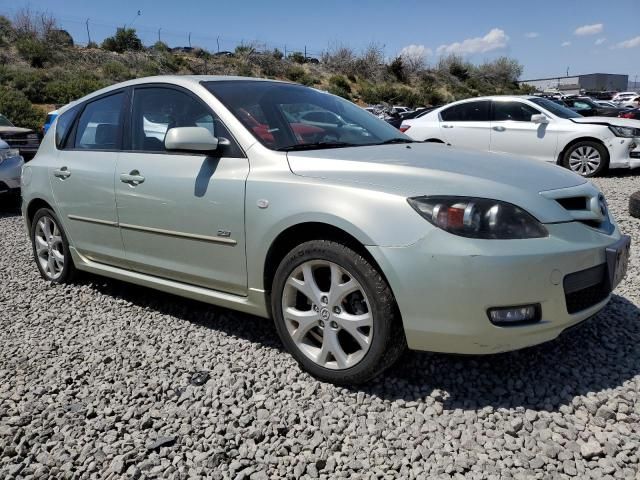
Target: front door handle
(132, 178)
(62, 173)
(447, 126)
(499, 128)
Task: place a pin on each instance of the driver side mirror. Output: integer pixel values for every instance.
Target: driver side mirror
(539, 118)
(194, 139)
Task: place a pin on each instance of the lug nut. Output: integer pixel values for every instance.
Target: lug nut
(321, 323)
(336, 310)
(334, 325)
(324, 300)
(315, 308)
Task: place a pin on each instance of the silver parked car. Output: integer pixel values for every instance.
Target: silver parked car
(10, 168)
(357, 242)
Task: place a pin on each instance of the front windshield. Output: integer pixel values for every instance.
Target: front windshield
(4, 122)
(557, 110)
(285, 116)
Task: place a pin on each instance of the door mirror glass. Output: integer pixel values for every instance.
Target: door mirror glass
(539, 118)
(194, 139)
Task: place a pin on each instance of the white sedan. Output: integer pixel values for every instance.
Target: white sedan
(533, 127)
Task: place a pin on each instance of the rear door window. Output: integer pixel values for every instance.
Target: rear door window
(467, 112)
(99, 127)
(63, 126)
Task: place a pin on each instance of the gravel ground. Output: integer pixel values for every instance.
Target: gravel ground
(105, 380)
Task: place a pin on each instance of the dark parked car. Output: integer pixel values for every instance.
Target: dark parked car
(25, 140)
(586, 107)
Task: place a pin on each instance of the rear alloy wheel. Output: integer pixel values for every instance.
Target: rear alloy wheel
(587, 159)
(335, 313)
(50, 248)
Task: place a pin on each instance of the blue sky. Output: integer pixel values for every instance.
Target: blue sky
(547, 37)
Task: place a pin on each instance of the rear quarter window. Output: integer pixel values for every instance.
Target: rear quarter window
(62, 128)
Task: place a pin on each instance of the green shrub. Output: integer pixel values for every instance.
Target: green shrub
(116, 71)
(7, 33)
(124, 40)
(339, 81)
(35, 51)
(17, 108)
(160, 46)
(69, 87)
(297, 57)
(341, 92)
(388, 93)
(244, 70)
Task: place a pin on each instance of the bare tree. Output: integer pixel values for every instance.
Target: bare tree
(38, 25)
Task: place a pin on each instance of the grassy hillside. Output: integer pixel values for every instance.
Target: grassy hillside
(40, 68)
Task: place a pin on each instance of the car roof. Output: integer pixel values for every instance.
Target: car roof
(180, 80)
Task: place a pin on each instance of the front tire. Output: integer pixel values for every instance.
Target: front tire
(51, 248)
(588, 159)
(335, 313)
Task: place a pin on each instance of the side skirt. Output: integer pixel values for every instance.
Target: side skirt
(253, 304)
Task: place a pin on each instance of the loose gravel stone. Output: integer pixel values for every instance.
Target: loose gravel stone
(103, 379)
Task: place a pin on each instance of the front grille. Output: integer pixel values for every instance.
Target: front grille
(586, 288)
(573, 203)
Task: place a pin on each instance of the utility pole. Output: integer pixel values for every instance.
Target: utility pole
(88, 33)
(218, 42)
(159, 30)
(285, 51)
(567, 71)
(189, 39)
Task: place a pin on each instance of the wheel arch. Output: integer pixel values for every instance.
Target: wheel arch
(33, 206)
(560, 158)
(299, 233)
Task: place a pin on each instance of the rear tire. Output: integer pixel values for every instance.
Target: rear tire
(587, 159)
(335, 313)
(51, 248)
(634, 204)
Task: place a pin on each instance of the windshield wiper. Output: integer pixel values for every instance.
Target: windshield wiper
(314, 146)
(395, 140)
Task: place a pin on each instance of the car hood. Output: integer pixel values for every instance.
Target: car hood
(618, 122)
(435, 169)
(14, 130)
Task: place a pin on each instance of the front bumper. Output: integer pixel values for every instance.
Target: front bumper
(10, 171)
(445, 284)
(624, 152)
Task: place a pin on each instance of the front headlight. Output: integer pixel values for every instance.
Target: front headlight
(478, 217)
(8, 153)
(626, 132)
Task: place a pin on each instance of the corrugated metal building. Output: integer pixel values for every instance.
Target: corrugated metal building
(573, 84)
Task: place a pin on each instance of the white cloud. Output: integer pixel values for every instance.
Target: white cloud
(631, 43)
(415, 51)
(600, 41)
(532, 35)
(589, 29)
(565, 44)
(493, 40)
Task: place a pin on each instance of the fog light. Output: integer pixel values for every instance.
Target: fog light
(504, 316)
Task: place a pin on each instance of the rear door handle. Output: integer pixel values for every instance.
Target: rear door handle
(62, 173)
(447, 126)
(132, 178)
(499, 128)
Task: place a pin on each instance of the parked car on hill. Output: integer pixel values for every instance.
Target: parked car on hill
(534, 127)
(10, 168)
(356, 242)
(623, 96)
(24, 139)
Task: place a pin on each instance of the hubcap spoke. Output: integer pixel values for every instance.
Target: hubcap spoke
(304, 321)
(340, 290)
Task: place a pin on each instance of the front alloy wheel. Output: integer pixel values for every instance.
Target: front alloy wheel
(327, 314)
(587, 159)
(335, 313)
